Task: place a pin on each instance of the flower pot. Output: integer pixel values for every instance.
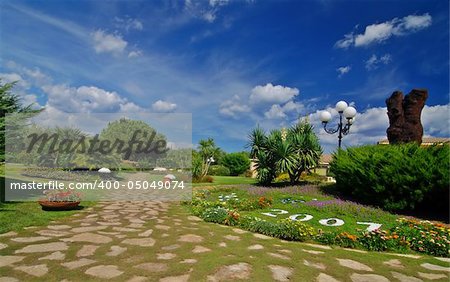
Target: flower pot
(48, 205)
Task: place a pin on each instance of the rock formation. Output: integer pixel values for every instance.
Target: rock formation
(404, 116)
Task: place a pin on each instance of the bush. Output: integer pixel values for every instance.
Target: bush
(216, 215)
(237, 163)
(284, 229)
(395, 177)
(219, 170)
(283, 177)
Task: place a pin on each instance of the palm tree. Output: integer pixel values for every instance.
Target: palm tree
(10, 103)
(289, 151)
(208, 151)
(264, 161)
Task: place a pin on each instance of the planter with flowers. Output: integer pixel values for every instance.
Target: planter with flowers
(60, 200)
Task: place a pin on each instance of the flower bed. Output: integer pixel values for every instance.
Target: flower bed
(313, 216)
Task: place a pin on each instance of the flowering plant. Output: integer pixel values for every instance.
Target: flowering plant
(62, 196)
(264, 202)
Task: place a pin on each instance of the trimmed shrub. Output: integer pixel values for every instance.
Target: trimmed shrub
(395, 177)
(219, 170)
(237, 163)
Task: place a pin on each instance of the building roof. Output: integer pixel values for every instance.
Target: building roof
(425, 141)
(325, 159)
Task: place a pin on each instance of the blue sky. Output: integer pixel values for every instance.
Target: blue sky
(232, 64)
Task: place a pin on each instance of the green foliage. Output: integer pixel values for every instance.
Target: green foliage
(219, 170)
(284, 229)
(290, 151)
(10, 103)
(176, 158)
(237, 163)
(207, 149)
(216, 215)
(125, 129)
(395, 177)
(196, 165)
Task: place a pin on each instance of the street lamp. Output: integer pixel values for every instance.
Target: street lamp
(344, 110)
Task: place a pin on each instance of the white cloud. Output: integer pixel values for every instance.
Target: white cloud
(128, 23)
(14, 77)
(163, 106)
(275, 112)
(108, 43)
(27, 76)
(85, 99)
(233, 107)
(269, 93)
(204, 10)
(377, 33)
(436, 120)
(346, 42)
(374, 62)
(135, 54)
(343, 70)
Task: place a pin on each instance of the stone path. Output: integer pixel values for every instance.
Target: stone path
(157, 241)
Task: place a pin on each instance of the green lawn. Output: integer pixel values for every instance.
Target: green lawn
(228, 180)
(15, 216)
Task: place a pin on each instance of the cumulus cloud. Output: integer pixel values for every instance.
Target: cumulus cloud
(380, 32)
(163, 106)
(343, 70)
(233, 107)
(85, 99)
(273, 94)
(14, 77)
(436, 120)
(108, 43)
(21, 88)
(277, 111)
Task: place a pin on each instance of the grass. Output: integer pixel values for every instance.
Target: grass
(15, 216)
(228, 180)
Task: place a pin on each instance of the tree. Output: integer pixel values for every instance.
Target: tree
(139, 141)
(291, 151)
(208, 151)
(237, 163)
(10, 103)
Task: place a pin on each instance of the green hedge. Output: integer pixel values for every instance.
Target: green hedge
(219, 170)
(395, 177)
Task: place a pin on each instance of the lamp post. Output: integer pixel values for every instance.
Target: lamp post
(209, 161)
(345, 111)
